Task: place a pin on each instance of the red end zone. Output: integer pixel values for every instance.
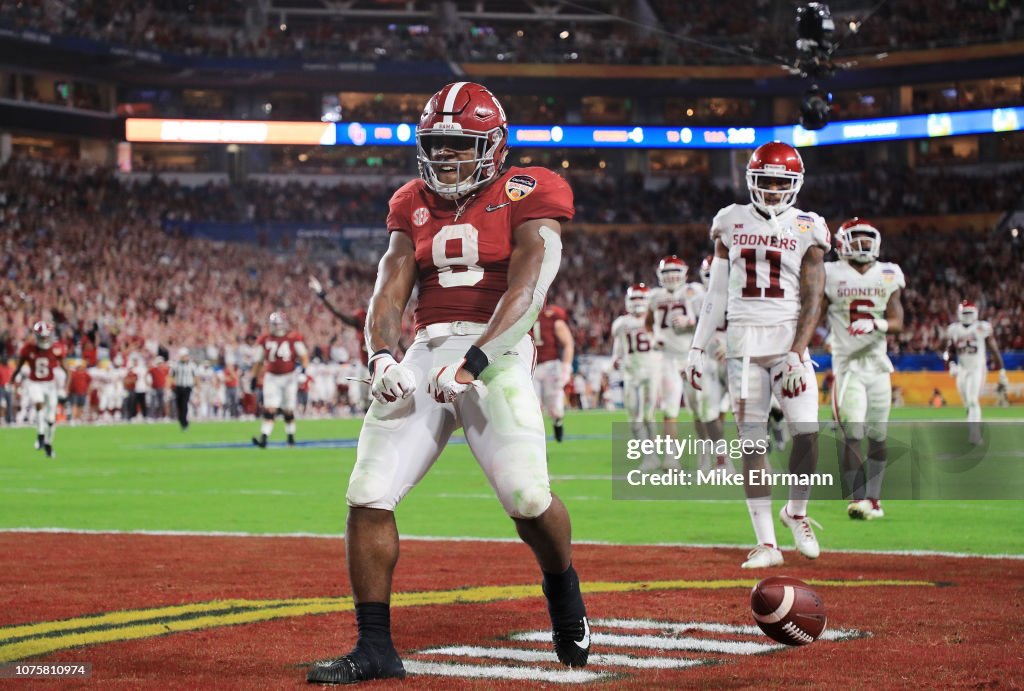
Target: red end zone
(253, 612)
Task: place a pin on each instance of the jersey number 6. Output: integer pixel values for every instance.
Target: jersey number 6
(456, 251)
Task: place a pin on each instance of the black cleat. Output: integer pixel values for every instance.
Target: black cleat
(570, 629)
(260, 441)
(39, 441)
(48, 448)
(291, 440)
(559, 432)
(358, 665)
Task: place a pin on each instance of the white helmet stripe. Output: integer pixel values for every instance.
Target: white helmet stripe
(449, 100)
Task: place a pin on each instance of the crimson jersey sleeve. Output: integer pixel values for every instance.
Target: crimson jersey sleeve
(549, 196)
(26, 350)
(399, 211)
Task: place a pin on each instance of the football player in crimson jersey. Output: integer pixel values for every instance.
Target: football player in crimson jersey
(967, 339)
(43, 357)
(554, 368)
(482, 245)
(275, 360)
(768, 274)
(862, 301)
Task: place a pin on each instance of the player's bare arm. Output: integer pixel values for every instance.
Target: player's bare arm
(712, 315)
(318, 290)
(997, 357)
(812, 288)
(894, 313)
(564, 337)
(396, 277)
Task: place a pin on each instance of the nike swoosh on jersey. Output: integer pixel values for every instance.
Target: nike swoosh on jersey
(495, 208)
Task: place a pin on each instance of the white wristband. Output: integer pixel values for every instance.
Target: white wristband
(881, 325)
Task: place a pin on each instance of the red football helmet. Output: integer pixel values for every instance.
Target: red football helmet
(278, 324)
(672, 273)
(966, 312)
(638, 297)
(774, 161)
(462, 116)
(858, 241)
(43, 331)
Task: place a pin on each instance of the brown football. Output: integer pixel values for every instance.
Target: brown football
(787, 610)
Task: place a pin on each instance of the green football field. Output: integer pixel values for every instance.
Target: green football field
(155, 477)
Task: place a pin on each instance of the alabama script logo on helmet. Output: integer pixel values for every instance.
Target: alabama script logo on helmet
(468, 112)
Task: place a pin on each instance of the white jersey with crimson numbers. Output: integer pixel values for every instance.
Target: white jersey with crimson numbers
(969, 341)
(765, 258)
(633, 346)
(675, 316)
(853, 296)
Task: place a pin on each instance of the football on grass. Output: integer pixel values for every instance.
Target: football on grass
(788, 610)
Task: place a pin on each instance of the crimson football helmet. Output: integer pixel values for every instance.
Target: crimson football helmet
(858, 241)
(278, 324)
(672, 273)
(638, 298)
(43, 331)
(774, 161)
(967, 312)
(462, 116)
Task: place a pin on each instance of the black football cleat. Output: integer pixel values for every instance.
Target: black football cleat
(48, 448)
(291, 440)
(39, 441)
(260, 441)
(358, 665)
(572, 643)
(559, 432)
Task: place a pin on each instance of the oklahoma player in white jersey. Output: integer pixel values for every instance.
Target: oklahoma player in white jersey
(43, 358)
(483, 246)
(277, 353)
(965, 351)
(768, 274)
(862, 299)
(633, 352)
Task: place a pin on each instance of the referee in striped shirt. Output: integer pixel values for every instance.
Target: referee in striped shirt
(184, 374)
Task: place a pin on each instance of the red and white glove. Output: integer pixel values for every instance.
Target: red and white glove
(954, 369)
(1004, 378)
(862, 327)
(695, 367)
(390, 380)
(794, 375)
(443, 385)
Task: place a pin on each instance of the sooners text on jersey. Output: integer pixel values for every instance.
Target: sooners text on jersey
(544, 333)
(279, 352)
(42, 361)
(463, 263)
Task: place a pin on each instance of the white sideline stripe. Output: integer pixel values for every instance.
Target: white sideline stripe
(702, 645)
(525, 655)
(439, 538)
(554, 676)
(682, 627)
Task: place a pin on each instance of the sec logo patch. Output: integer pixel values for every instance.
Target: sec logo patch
(518, 186)
(420, 216)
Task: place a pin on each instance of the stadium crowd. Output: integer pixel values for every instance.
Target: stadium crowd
(671, 33)
(104, 260)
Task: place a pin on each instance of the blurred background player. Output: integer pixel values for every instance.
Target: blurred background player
(674, 306)
(862, 300)
(967, 340)
(276, 361)
(713, 396)
(79, 387)
(634, 354)
(555, 350)
(768, 275)
(357, 320)
(44, 357)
